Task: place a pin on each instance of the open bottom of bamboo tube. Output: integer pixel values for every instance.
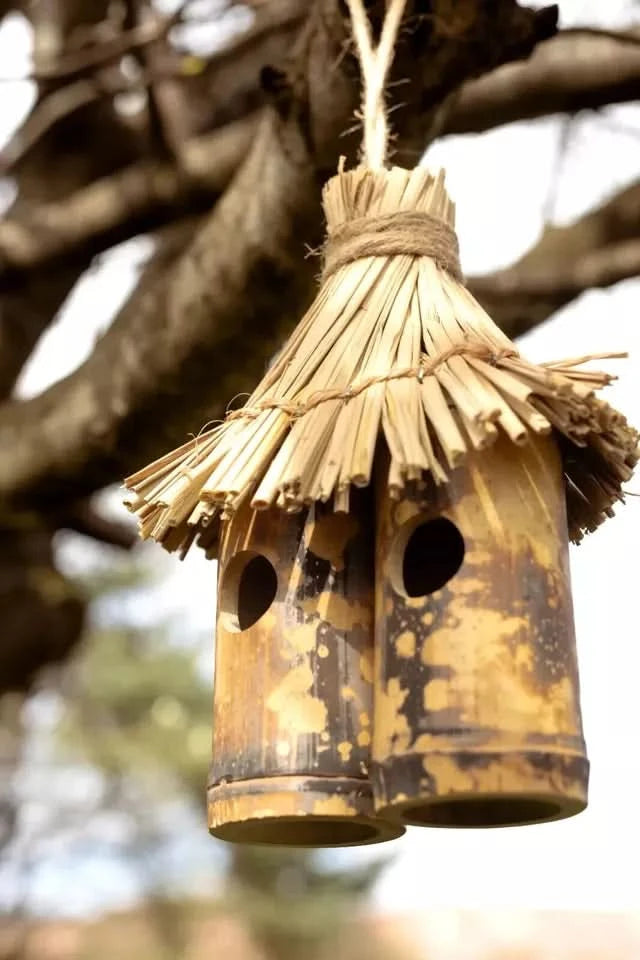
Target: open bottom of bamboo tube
(297, 812)
(477, 790)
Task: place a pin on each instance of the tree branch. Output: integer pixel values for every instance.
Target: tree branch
(155, 193)
(133, 200)
(141, 197)
(58, 165)
(578, 69)
(42, 616)
(83, 518)
(598, 250)
(245, 247)
(204, 333)
(568, 73)
(55, 107)
(243, 57)
(621, 36)
(71, 63)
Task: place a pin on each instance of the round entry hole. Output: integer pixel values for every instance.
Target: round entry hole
(248, 589)
(428, 556)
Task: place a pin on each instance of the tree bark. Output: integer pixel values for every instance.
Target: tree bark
(567, 73)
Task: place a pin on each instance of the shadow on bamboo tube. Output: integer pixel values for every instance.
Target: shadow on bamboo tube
(293, 691)
(477, 716)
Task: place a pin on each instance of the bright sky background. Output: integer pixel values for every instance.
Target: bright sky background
(502, 182)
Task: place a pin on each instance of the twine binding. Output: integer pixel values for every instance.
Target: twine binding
(411, 232)
(426, 368)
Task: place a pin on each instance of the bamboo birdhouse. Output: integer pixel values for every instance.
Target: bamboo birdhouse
(477, 719)
(293, 703)
(449, 574)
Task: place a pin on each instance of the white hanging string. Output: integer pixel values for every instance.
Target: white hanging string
(374, 64)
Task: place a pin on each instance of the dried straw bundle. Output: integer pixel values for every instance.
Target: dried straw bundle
(394, 345)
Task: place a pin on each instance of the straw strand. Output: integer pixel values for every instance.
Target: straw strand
(425, 368)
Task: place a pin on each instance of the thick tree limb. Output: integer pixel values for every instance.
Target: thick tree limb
(623, 36)
(570, 72)
(240, 256)
(598, 250)
(115, 208)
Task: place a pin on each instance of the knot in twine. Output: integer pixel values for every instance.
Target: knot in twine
(389, 234)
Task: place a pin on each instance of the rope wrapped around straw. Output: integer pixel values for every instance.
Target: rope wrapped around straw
(394, 345)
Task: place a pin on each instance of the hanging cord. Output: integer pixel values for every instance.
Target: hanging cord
(374, 64)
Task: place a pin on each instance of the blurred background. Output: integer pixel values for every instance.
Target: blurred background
(105, 741)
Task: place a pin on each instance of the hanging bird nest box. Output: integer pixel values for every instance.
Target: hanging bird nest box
(481, 466)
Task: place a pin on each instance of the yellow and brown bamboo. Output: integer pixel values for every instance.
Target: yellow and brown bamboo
(293, 701)
(477, 710)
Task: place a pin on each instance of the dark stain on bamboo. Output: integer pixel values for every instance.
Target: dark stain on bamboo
(477, 701)
(293, 692)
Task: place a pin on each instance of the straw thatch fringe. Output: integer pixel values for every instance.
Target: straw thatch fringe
(393, 344)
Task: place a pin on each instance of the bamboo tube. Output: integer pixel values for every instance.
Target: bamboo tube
(477, 717)
(293, 680)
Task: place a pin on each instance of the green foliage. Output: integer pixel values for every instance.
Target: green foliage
(140, 709)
